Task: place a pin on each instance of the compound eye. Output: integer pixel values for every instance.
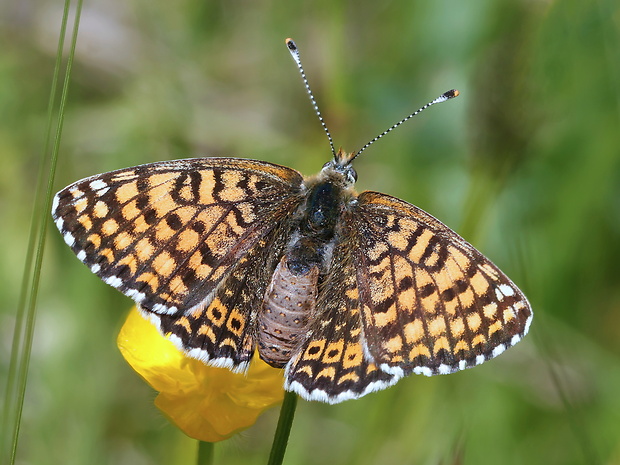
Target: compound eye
(352, 175)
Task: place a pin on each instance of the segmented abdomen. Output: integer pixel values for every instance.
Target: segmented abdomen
(283, 321)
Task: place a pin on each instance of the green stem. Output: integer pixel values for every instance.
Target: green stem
(25, 317)
(205, 453)
(280, 440)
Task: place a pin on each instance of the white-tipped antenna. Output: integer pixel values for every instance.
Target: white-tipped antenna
(292, 47)
(442, 98)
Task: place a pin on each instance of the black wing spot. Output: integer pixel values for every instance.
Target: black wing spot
(314, 350)
(427, 290)
(235, 323)
(405, 284)
(150, 217)
(142, 202)
(384, 306)
(174, 221)
(198, 226)
(461, 286)
(448, 295)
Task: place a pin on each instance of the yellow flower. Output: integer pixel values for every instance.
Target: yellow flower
(206, 403)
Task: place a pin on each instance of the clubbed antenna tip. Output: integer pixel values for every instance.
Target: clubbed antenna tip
(442, 98)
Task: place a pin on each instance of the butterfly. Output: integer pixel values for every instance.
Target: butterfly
(346, 292)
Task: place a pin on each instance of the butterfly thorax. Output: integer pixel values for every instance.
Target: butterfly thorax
(290, 298)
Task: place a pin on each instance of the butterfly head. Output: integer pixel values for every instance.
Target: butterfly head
(341, 167)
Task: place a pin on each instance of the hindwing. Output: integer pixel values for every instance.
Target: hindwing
(223, 332)
(332, 364)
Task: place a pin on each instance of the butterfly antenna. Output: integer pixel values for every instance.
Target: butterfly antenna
(292, 47)
(442, 98)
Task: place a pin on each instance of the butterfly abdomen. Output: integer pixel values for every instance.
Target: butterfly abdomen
(288, 303)
(290, 298)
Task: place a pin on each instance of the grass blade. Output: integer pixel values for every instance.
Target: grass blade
(26, 311)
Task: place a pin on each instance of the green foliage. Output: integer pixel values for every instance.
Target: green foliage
(525, 164)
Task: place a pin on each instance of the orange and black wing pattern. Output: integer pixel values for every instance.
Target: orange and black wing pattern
(404, 294)
(191, 241)
(332, 364)
(166, 234)
(223, 332)
(430, 302)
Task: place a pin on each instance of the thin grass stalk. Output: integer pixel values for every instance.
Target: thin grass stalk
(10, 418)
(26, 311)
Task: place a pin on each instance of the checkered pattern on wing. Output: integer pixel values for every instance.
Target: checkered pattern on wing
(166, 234)
(332, 364)
(431, 303)
(223, 333)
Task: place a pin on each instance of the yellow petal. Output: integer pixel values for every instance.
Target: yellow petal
(206, 403)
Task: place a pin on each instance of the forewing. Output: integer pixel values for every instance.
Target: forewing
(331, 365)
(431, 303)
(166, 234)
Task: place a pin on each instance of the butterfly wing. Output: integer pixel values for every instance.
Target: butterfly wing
(222, 333)
(331, 365)
(166, 234)
(430, 302)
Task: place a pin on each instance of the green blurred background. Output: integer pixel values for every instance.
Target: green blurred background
(525, 164)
